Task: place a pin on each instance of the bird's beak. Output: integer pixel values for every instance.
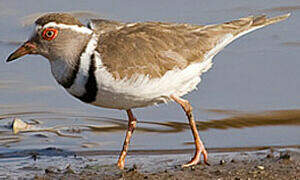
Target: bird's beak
(27, 48)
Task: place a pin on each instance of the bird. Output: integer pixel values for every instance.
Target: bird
(125, 66)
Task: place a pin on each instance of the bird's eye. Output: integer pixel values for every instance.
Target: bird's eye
(49, 34)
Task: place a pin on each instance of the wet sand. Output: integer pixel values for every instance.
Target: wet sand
(273, 162)
(267, 164)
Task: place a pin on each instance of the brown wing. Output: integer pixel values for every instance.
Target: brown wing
(154, 48)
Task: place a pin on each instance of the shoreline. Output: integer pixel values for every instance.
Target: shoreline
(275, 162)
(53, 151)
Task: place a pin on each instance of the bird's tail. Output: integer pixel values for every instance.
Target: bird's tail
(256, 22)
(264, 21)
(229, 31)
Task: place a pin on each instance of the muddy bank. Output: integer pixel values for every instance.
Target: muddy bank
(272, 163)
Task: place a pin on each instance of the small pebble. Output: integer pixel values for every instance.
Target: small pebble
(270, 155)
(285, 155)
(49, 170)
(260, 167)
(69, 170)
(18, 125)
(34, 156)
(218, 172)
(130, 170)
(222, 162)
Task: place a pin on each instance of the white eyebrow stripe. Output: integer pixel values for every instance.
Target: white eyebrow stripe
(80, 29)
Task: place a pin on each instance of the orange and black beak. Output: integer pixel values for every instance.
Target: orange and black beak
(27, 48)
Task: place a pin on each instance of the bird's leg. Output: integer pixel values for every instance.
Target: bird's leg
(131, 126)
(200, 149)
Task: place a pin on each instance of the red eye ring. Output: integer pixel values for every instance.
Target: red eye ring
(49, 34)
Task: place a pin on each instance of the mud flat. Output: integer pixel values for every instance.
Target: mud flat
(275, 162)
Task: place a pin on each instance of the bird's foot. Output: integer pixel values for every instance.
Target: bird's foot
(197, 158)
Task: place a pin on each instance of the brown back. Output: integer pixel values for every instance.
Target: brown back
(154, 48)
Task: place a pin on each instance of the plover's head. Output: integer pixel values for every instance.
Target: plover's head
(56, 36)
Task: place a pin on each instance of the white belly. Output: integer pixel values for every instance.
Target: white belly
(141, 91)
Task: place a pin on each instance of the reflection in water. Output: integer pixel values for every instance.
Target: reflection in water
(236, 119)
(6, 140)
(244, 119)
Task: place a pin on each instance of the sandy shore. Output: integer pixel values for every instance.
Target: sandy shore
(271, 163)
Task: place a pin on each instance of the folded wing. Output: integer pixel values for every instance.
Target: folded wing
(153, 48)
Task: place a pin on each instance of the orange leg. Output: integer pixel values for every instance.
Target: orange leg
(131, 126)
(200, 149)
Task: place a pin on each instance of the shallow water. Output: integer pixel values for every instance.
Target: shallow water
(255, 77)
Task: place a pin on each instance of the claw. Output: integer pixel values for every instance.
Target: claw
(197, 158)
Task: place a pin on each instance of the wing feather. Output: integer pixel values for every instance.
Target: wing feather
(153, 48)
